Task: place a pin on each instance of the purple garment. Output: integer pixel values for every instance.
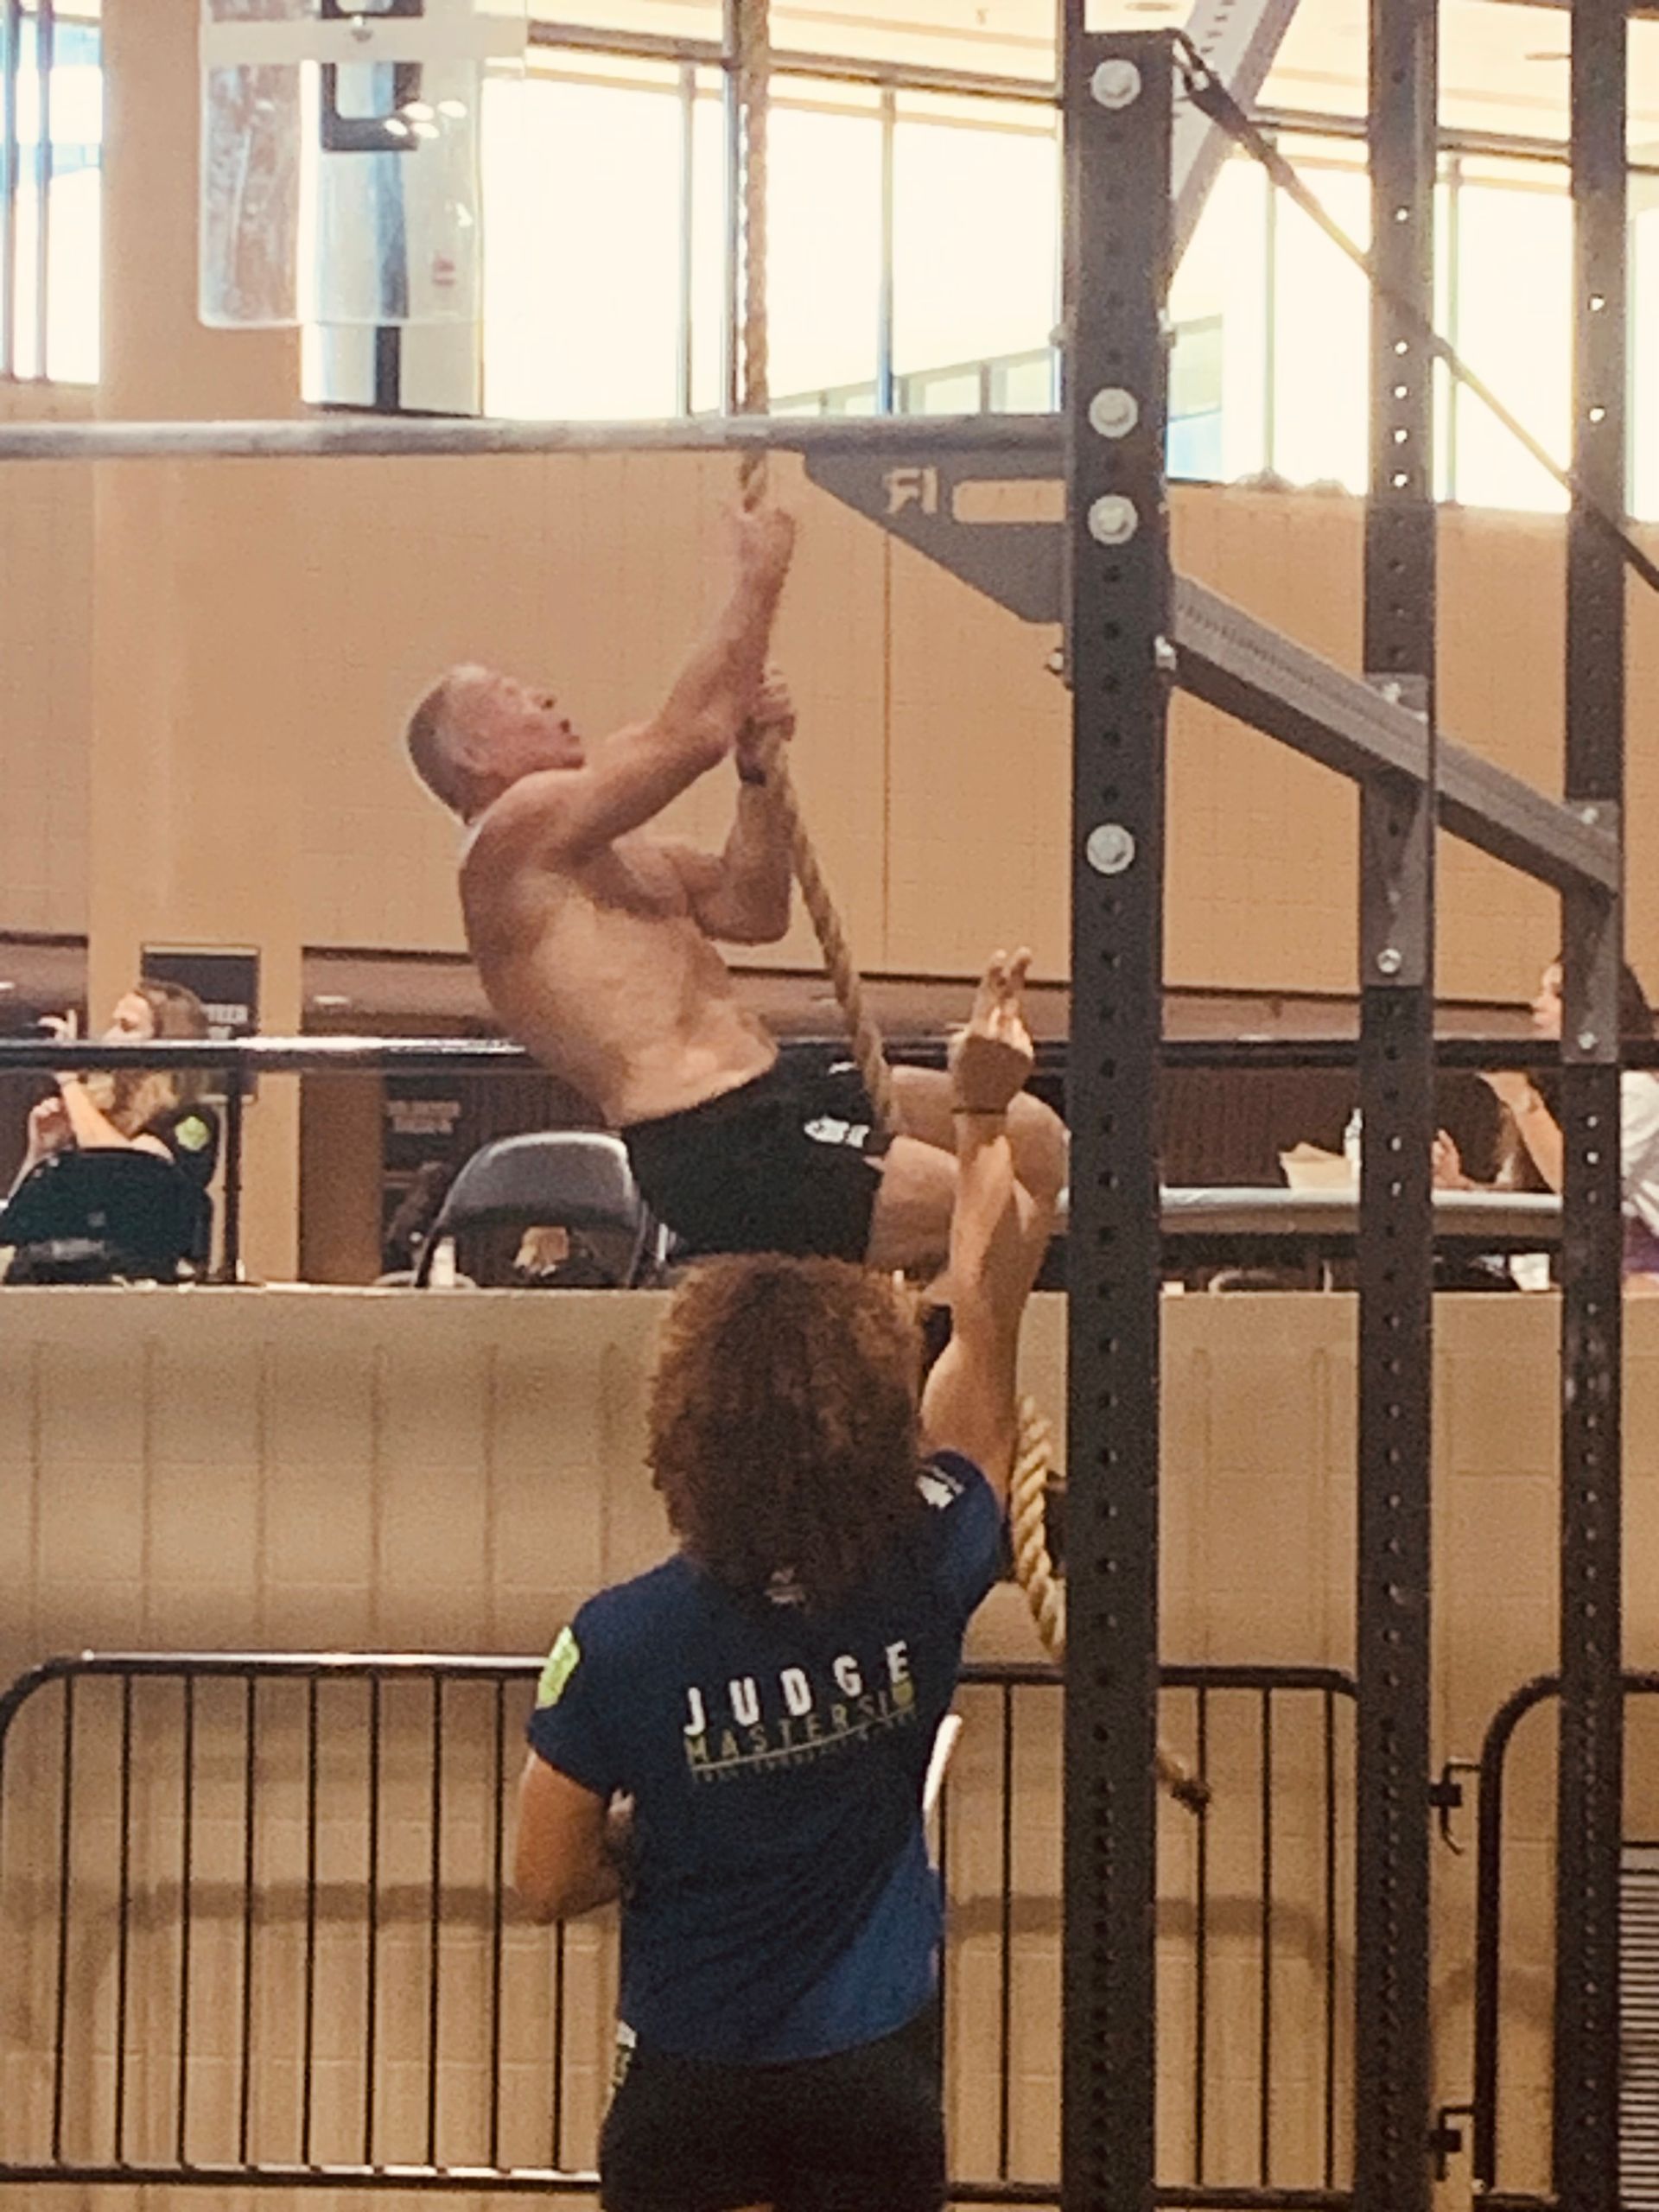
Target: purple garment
(1641, 1247)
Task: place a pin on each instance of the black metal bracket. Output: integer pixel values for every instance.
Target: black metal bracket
(992, 519)
(369, 134)
(1593, 935)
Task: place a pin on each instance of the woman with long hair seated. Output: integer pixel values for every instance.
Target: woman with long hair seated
(735, 1744)
(160, 1111)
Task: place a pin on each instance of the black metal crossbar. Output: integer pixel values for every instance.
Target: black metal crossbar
(256, 1913)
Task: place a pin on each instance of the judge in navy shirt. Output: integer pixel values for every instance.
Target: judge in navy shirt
(735, 1744)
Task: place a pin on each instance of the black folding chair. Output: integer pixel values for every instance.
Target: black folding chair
(115, 1216)
(555, 1179)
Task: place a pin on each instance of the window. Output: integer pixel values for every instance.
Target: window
(914, 234)
(1513, 324)
(823, 279)
(585, 285)
(50, 181)
(1320, 324)
(974, 252)
(1219, 368)
(988, 38)
(653, 19)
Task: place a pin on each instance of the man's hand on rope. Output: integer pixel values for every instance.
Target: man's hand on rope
(763, 543)
(771, 724)
(992, 1058)
(774, 706)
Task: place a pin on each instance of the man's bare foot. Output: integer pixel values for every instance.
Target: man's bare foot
(992, 1058)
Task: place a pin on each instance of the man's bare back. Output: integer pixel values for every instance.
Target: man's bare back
(602, 970)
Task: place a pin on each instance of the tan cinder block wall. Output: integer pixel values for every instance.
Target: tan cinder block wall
(294, 1469)
(46, 675)
(195, 796)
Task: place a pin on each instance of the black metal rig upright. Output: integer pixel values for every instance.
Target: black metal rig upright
(1118, 116)
(1396, 952)
(1590, 1785)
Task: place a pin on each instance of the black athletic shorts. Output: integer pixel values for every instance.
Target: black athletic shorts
(861, 2132)
(788, 1163)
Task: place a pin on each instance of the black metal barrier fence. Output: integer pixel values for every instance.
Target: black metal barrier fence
(1493, 2003)
(257, 1931)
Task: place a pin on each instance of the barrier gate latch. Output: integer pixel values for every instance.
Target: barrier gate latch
(1445, 1797)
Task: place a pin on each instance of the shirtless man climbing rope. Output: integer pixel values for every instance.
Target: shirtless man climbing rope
(596, 941)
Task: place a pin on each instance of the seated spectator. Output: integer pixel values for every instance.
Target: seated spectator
(411, 1225)
(160, 1111)
(1533, 1152)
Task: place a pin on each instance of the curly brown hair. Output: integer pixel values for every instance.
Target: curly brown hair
(784, 1422)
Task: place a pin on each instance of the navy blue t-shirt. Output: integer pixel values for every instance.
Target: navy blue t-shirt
(781, 1905)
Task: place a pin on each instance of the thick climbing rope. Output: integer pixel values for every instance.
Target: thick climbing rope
(754, 78)
(1034, 1460)
(1033, 1464)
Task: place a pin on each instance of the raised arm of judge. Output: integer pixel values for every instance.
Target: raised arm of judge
(970, 1404)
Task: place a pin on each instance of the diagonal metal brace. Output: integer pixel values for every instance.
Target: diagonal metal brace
(1239, 41)
(1257, 675)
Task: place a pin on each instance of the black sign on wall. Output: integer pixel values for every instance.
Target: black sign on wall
(226, 982)
(423, 1122)
(422, 1144)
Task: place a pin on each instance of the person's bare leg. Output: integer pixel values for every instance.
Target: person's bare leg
(1036, 1132)
(910, 1229)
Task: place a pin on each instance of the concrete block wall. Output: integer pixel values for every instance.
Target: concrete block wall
(287, 1470)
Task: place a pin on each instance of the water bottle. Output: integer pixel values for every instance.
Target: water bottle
(1350, 1141)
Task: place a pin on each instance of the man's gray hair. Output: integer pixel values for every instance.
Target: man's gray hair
(428, 737)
